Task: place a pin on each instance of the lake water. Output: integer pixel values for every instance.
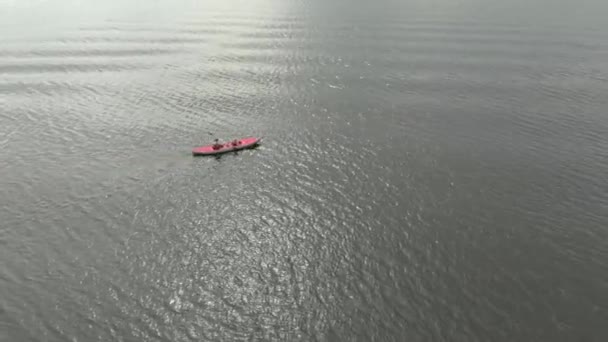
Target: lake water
(430, 170)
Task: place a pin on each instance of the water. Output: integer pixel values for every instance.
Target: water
(431, 171)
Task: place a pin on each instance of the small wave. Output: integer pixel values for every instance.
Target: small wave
(64, 68)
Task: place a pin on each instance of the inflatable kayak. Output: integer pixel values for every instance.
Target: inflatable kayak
(217, 148)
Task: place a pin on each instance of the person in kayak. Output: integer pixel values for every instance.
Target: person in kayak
(217, 145)
(235, 142)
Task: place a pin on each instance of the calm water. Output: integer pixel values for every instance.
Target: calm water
(431, 171)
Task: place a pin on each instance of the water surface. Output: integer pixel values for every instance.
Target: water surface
(431, 171)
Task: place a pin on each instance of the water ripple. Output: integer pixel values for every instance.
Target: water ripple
(87, 52)
(74, 67)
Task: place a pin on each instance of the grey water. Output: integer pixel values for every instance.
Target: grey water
(430, 170)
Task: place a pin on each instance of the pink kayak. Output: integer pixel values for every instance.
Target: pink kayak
(235, 145)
